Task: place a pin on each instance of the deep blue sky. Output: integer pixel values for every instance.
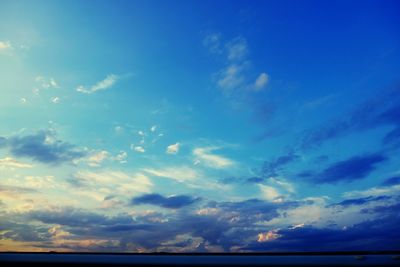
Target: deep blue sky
(199, 125)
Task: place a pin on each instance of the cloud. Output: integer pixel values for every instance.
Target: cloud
(269, 193)
(231, 77)
(381, 110)
(105, 84)
(110, 182)
(268, 236)
(96, 158)
(170, 202)
(360, 201)
(55, 100)
(237, 49)
(355, 168)
(9, 162)
(15, 190)
(234, 78)
(70, 216)
(378, 234)
(43, 147)
(180, 174)
(204, 156)
(173, 149)
(45, 83)
(153, 128)
(6, 48)
(121, 157)
(274, 167)
(139, 149)
(261, 81)
(246, 226)
(5, 45)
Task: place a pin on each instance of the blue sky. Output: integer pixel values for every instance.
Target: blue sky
(199, 126)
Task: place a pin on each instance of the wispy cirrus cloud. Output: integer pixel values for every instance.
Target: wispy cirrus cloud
(236, 77)
(178, 173)
(46, 83)
(204, 156)
(104, 84)
(261, 81)
(101, 184)
(9, 162)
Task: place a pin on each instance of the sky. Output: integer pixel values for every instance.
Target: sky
(199, 126)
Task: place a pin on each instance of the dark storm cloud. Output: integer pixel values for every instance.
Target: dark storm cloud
(38, 147)
(223, 224)
(172, 202)
(348, 170)
(231, 224)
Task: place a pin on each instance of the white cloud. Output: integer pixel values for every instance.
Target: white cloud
(237, 49)
(121, 157)
(40, 181)
(261, 81)
(96, 158)
(179, 174)
(231, 77)
(107, 83)
(6, 48)
(234, 78)
(204, 156)
(53, 83)
(374, 191)
(4, 45)
(282, 184)
(139, 149)
(23, 100)
(269, 193)
(45, 83)
(55, 100)
(173, 149)
(153, 128)
(114, 182)
(13, 163)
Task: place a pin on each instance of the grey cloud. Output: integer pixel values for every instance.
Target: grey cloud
(38, 147)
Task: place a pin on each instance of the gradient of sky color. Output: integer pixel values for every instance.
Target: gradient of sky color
(199, 126)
